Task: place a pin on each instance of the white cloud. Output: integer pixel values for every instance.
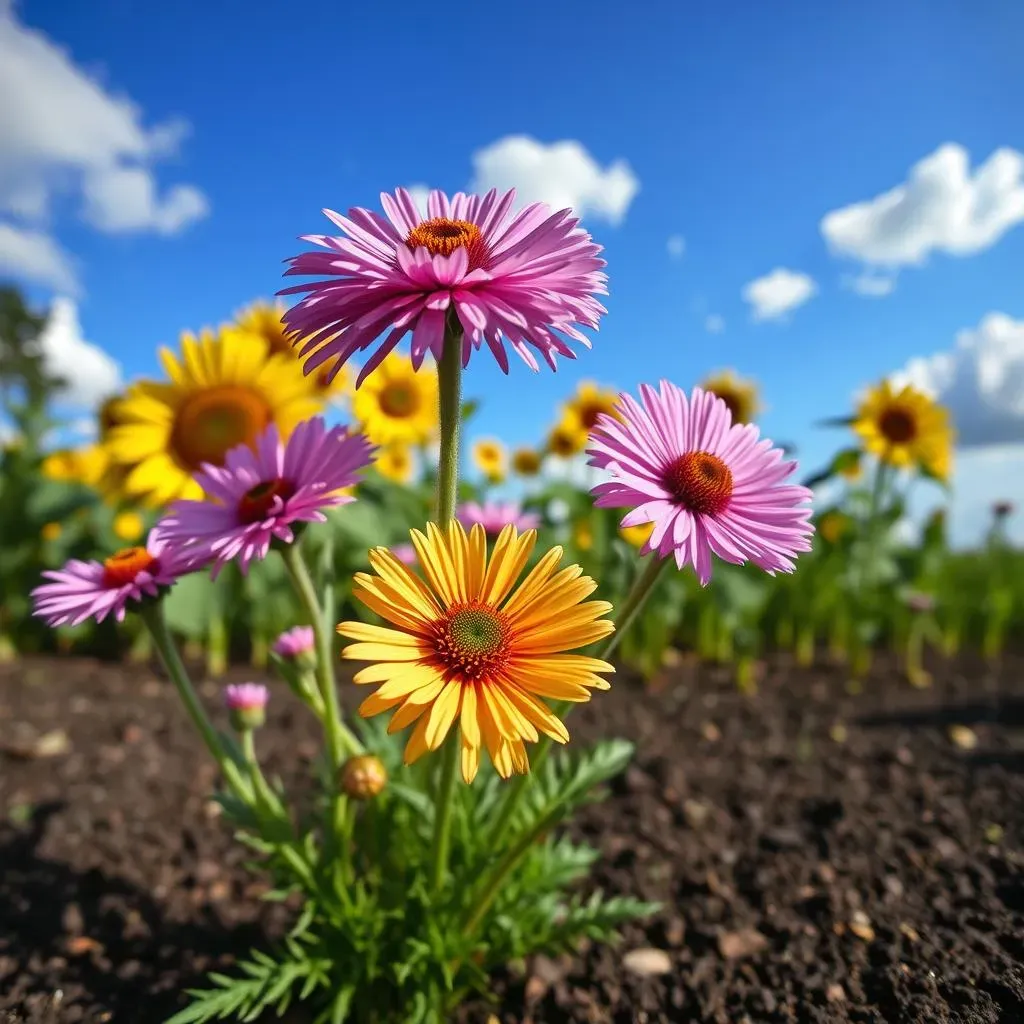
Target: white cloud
(562, 174)
(35, 256)
(63, 132)
(89, 374)
(420, 194)
(777, 293)
(714, 324)
(869, 283)
(941, 207)
(676, 246)
(981, 381)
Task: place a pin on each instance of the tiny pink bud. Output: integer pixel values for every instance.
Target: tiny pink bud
(247, 703)
(294, 642)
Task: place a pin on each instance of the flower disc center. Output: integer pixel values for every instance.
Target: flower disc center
(897, 425)
(700, 482)
(122, 567)
(213, 421)
(472, 640)
(259, 501)
(399, 401)
(441, 236)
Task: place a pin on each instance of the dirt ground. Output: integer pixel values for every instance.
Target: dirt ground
(821, 857)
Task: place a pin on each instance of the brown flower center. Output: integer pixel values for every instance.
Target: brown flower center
(472, 640)
(700, 482)
(399, 401)
(897, 425)
(122, 567)
(589, 413)
(213, 421)
(442, 236)
(257, 502)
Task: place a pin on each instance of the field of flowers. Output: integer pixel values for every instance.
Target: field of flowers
(279, 522)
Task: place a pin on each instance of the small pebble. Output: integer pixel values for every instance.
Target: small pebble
(647, 962)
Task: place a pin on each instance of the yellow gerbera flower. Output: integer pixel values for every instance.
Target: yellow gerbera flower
(395, 403)
(636, 536)
(464, 645)
(224, 390)
(395, 462)
(906, 428)
(588, 403)
(567, 438)
(490, 458)
(526, 461)
(739, 395)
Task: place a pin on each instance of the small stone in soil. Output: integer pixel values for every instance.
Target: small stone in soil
(743, 943)
(647, 962)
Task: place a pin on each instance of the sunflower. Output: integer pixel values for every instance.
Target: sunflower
(567, 438)
(738, 394)
(526, 461)
(906, 429)
(397, 404)
(490, 458)
(588, 403)
(463, 642)
(395, 463)
(224, 390)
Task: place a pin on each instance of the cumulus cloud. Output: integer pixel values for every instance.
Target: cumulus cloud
(35, 256)
(563, 174)
(90, 375)
(62, 131)
(870, 283)
(676, 246)
(942, 207)
(981, 381)
(420, 194)
(714, 324)
(776, 294)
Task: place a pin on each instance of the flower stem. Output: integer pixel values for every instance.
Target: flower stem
(339, 737)
(449, 373)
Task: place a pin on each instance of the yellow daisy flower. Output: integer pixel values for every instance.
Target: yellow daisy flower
(224, 390)
(490, 458)
(567, 438)
(636, 536)
(128, 526)
(588, 403)
(395, 463)
(463, 644)
(739, 395)
(526, 461)
(905, 428)
(833, 525)
(397, 404)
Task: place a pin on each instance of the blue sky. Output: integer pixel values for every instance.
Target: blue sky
(742, 125)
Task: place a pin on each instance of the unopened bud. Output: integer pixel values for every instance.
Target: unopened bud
(247, 704)
(297, 644)
(363, 776)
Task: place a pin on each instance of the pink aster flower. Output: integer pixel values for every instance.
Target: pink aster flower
(709, 485)
(84, 590)
(405, 553)
(293, 642)
(495, 516)
(247, 704)
(259, 494)
(525, 278)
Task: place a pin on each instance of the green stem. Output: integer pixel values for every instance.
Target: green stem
(339, 737)
(247, 740)
(449, 374)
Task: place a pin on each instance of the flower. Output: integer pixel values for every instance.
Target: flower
(833, 525)
(258, 496)
(128, 526)
(905, 429)
(583, 535)
(397, 404)
(247, 703)
(395, 463)
(852, 466)
(636, 536)
(587, 405)
(490, 458)
(363, 777)
(51, 531)
(524, 278)
(294, 642)
(566, 438)
(708, 485)
(84, 590)
(526, 461)
(738, 394)
(225, 390)
(405, 553)
(463, 644)
(494, 516)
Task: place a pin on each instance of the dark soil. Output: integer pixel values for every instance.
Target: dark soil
(821, 857)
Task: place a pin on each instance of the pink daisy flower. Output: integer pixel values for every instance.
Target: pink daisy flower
(259, 494)
(525, 278)
(709, 485)
(495, 516)
(293, 642)
(92, 590)
(405, 553)
(245, 696)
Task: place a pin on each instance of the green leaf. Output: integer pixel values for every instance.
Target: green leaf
(342, 1004)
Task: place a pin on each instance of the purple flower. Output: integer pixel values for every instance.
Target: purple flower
(494, 516)
(258, 495)
(405, 553)
(295, 641)
(84, 590)
(247, 703)
(709, 485)
(525, 278)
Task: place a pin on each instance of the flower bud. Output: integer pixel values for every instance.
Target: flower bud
(363, 776)
(296, 644)
(247, 703)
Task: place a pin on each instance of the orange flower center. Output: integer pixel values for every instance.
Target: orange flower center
(213, 421)
(472, 640)
(700, 482)
(122, 567)
(897, 426)
(257, 502)
(562, 442)
(398, 401)
(442, 236)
